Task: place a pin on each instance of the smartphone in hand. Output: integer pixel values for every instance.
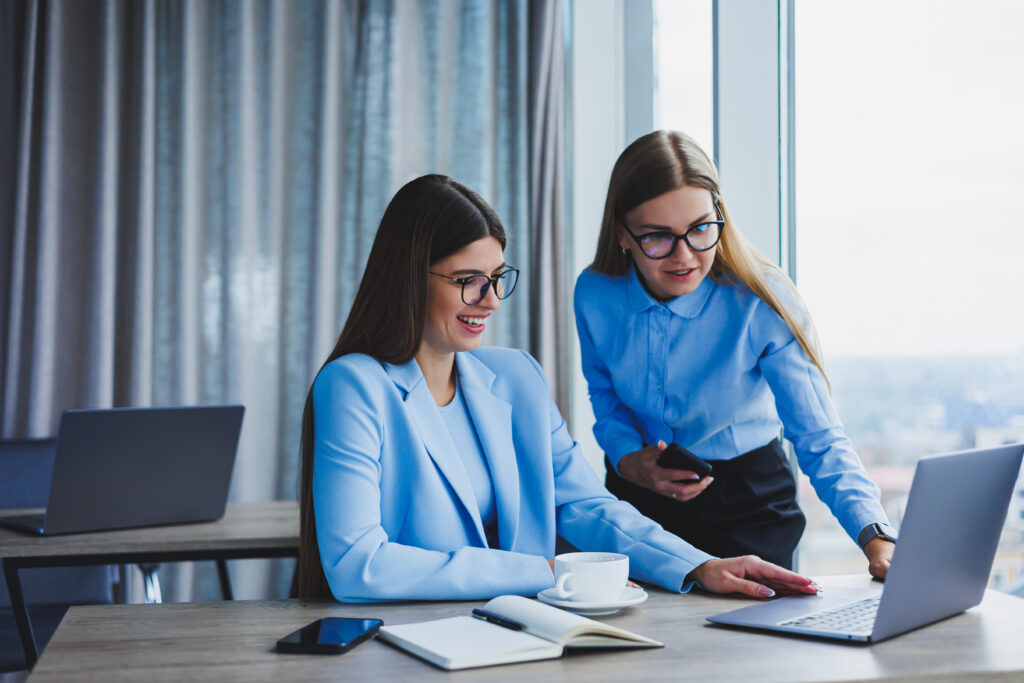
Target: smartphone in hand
(329, 636)
(675, 457)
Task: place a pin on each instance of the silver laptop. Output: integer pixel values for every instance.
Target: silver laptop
(941, 565)
(130, 467)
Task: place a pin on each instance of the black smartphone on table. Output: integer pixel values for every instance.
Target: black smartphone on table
(675, 457)
(329, 636)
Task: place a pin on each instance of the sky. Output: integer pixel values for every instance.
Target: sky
(909, 168)
(910, 176)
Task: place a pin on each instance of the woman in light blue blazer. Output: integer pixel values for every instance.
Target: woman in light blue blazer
(436, 470)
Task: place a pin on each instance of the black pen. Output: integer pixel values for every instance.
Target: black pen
(495, 619)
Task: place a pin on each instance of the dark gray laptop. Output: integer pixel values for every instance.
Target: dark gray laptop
(941, 565)
(130, 467)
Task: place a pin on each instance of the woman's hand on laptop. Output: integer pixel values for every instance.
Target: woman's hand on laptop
(750, 575)
(879, 554)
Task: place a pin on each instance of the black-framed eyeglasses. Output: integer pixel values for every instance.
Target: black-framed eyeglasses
(474, 287)
(662, 243)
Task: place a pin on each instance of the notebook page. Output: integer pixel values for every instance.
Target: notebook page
(460, 642)
(551, 623)
(541, 620)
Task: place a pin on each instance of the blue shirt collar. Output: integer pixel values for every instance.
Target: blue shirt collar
(686, 306)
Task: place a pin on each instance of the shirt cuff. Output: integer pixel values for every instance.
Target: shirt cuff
(855, 517)
(688, 585)
(620, 449)
(696, 559)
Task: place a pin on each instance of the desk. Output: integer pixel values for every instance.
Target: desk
(235, 640)
(247, 530)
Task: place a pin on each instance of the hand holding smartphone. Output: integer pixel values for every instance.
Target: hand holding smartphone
(675, 457)
(329, 636)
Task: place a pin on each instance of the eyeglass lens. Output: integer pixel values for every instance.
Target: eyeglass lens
(698, 238)
(475, 288)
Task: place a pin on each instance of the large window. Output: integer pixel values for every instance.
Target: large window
(909, 216)
(683, 69)
(910, 237)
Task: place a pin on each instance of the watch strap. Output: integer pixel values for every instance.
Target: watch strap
(872, 531)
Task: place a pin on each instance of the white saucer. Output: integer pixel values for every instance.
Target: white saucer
(630, 596)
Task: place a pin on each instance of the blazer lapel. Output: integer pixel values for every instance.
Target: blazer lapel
(492, 417)
(428, 421)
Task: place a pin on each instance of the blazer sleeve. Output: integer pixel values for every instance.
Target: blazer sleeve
(614, 426)
(360, 562)
(591, 518)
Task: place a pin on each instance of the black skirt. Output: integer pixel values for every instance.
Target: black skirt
(749, 509)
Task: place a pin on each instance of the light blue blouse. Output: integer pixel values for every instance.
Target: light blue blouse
(719, 372)
(467, 444)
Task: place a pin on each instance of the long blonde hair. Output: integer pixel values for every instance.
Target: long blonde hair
(667, 160)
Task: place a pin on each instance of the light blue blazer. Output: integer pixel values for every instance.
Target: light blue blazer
(396, 516)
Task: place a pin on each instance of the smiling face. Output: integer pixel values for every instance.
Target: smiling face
(451, 325)
(677, 211)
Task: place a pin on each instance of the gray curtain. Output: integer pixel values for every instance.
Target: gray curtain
(189, 191)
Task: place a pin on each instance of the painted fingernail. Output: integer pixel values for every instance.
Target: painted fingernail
(766, 592)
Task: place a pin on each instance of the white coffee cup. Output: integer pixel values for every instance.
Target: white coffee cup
(590, 577)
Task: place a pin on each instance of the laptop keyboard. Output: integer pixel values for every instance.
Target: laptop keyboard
(857, 617)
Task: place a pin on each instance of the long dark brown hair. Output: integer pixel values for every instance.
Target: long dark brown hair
(428, 219)
(663, 161)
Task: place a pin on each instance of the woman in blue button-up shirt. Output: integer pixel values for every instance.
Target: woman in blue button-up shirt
(688, 335)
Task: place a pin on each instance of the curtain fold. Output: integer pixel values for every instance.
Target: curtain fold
(549, 254)
(189, 192)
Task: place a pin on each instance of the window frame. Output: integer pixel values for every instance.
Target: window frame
(612, 44)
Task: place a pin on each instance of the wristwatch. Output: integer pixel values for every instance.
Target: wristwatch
(872, 531)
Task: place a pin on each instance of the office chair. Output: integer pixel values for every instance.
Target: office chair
(25, 470)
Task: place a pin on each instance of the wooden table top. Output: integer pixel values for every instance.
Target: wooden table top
(235, 641)
(244, 525)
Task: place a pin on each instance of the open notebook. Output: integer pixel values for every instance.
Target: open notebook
(464, 642)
